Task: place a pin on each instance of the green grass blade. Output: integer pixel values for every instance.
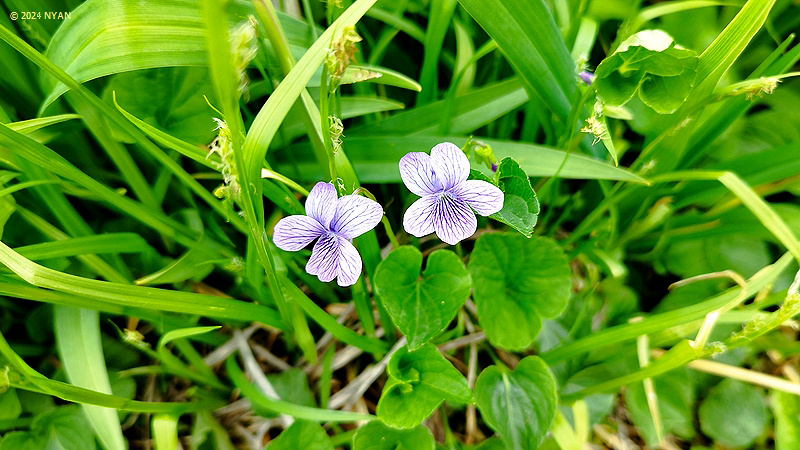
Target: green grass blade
(439, 19)
(528, 36)
(103, 38)
(621, 333)
(35, 382)
(536, 160)
(87, 245)
(266, 123)
(280, 406)
(29, 126)
(137, 296)
(720, 54)
(78, 338)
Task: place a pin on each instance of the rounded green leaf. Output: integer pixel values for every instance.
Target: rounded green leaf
(517, 281)
(302, 435)
(520, 205)
(419, 382)
(734, 413)
(377, 436)
(520, 405)
(422, 306)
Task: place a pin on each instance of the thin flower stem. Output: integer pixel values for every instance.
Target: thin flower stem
(390, 232)
(324, 111)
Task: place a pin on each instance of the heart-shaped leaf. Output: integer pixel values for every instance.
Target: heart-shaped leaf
(517, 282)
(422, 306)
(419, 382)
(377, 436)
(520, 205)
(648, 62)
(520, 405)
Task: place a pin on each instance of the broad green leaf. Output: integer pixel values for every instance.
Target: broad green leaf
(528, 36)
(676, 398)
(734, 413)
(786, 408)
(169, 98)
(64, 428)
(651, 64)
(302, 435)
(419, 382)
(10, 408)
(422, 305)
(22, 440)
(520, 205)
(520, 404)
(374, 166)
(377, 436)
(103, 38)
(518, 281)
(81, 352)
(292, 386)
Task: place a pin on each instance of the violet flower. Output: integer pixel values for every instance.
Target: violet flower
(335, 221)
(447, 196)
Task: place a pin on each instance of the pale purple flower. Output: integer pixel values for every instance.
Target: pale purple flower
(587, 77)
(334, 222)
(448, 198)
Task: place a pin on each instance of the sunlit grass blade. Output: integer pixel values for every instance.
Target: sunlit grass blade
(78, 338)
(621, 333)
(28, 379)
(439, 19)
(31, 125)
(718, 57)
(138, 296)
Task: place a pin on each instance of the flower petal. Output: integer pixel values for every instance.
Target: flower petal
(355, 215)
(450, 164)
(324, 260)
(321, 203)
(335, 257)
(349, 264)
(418, 218)
(418, 175)
(484, 197)
(295, 232)
(453, 220)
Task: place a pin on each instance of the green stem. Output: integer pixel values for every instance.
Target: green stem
(324, 112)
(390, 233)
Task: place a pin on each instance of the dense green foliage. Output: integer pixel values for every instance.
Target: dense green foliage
(633, 288)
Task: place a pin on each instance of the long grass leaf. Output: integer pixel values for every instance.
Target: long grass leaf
(527, 34)
(78, 338)
(137, 296)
